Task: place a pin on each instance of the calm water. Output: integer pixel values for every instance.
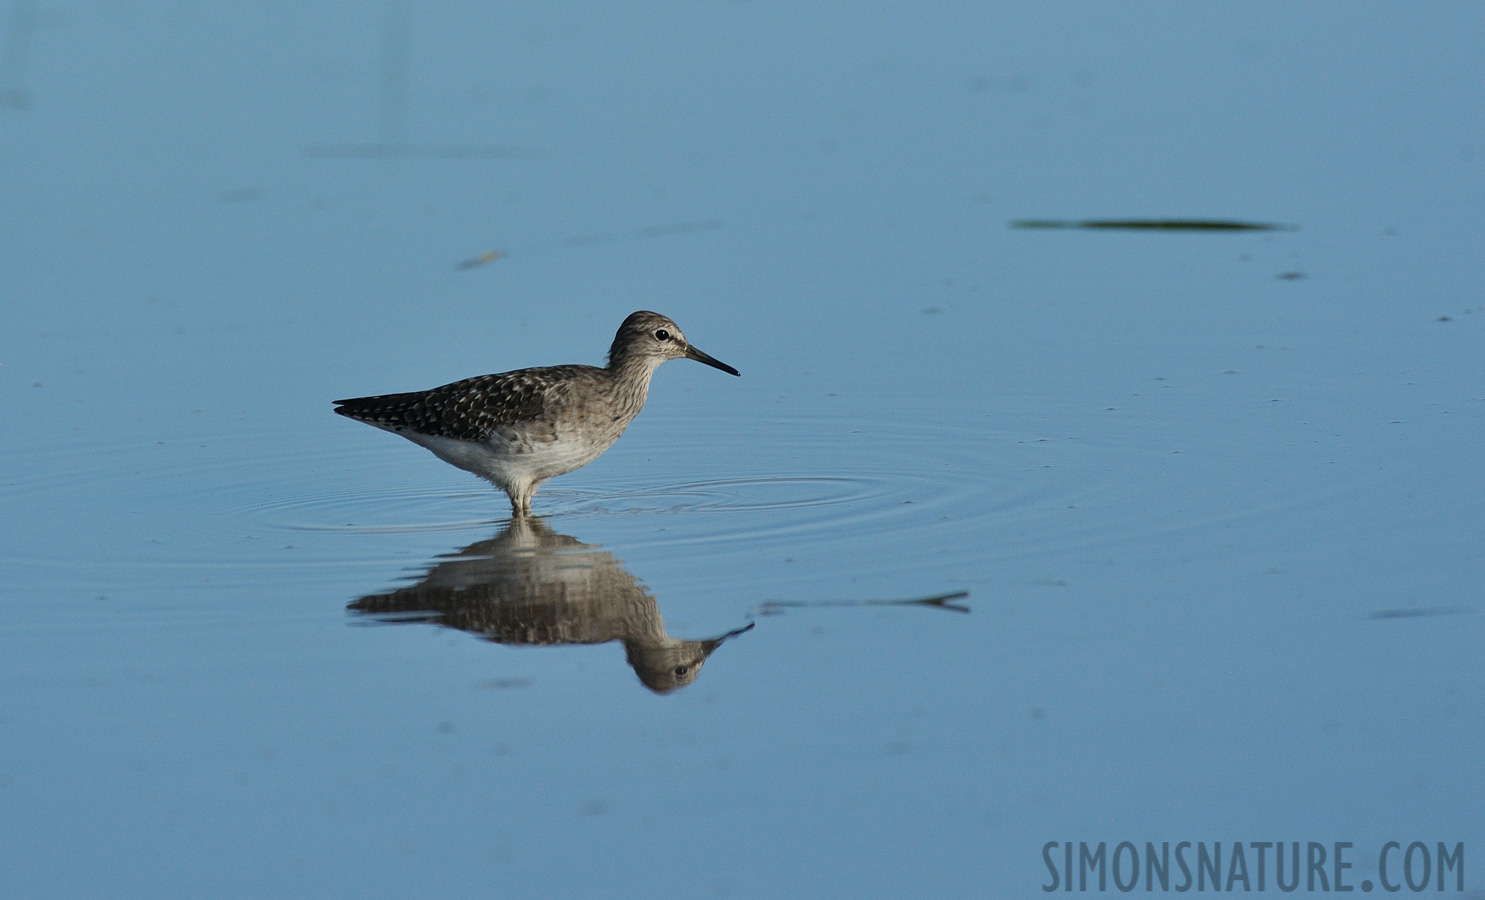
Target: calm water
(1215, 497)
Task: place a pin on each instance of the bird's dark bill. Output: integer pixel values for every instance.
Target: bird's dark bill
(693, 353)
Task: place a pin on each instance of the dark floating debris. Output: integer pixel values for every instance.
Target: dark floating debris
(421, 151)
(484, 259)
(678, 228)
(1153, 225)
(239, 195)
(1418, 612)
(597, 237)
(652, 231)
(940, 601)
(668, 229)
(500, 684)
(1290, 276)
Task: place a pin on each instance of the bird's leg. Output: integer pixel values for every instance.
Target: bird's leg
(520, 502)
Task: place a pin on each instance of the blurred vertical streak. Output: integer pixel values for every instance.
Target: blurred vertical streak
(396, 42)
(17, 51)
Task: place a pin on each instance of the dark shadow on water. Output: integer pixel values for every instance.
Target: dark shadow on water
(1153, 225)
(529, 586)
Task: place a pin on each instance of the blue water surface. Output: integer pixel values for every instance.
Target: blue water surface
(1215, 497)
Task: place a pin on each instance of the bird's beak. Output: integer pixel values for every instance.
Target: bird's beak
(693, 353)
(708, 646)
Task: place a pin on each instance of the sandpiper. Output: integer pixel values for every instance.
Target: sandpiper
(517, 429)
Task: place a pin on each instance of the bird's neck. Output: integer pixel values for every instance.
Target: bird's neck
(631, 380)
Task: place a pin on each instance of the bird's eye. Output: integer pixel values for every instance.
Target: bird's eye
(662, 335)
(680, 671)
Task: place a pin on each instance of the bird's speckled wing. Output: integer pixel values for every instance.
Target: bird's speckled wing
(468, 410)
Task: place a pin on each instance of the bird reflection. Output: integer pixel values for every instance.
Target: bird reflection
(529, 585)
